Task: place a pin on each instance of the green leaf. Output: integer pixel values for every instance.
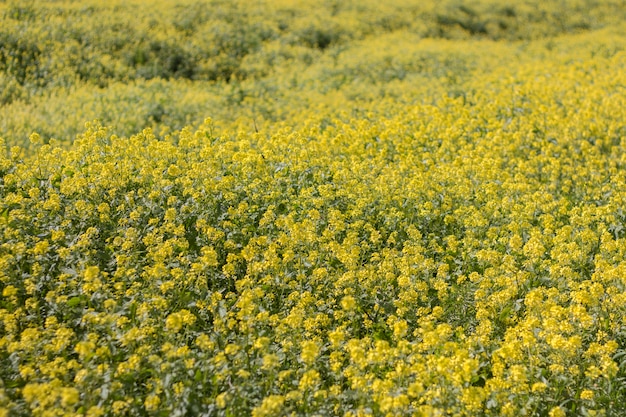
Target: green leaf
(74, 301)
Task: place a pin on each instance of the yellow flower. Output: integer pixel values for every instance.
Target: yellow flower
(69, 396)
(310, 350)
(220, 400)
(209, 256)
(91, 273)
(34, 193)
(309, 380)
(173, 171)
(348, 303)
(95, 411)
(9, 291)
(557, 412)
(85, 348)
(586, 395)
(400, 328)
(270, 361)
(538, 387)
(119, 407)
(336, 337)
(35, 139)
(204, 342)
(269, 407)
(175, 321)
(152, 402)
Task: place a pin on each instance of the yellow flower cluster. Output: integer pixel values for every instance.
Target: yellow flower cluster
(167, 64)
(410, 209)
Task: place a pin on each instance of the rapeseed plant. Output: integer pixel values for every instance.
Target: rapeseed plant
(426, 219)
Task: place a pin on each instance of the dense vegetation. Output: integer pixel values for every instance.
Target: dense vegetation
(276, 208)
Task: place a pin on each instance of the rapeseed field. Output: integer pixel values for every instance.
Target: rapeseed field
(312, 208)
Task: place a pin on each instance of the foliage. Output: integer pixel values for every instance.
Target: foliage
(399, 209)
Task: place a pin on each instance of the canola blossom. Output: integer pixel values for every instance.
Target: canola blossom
(417, 211)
